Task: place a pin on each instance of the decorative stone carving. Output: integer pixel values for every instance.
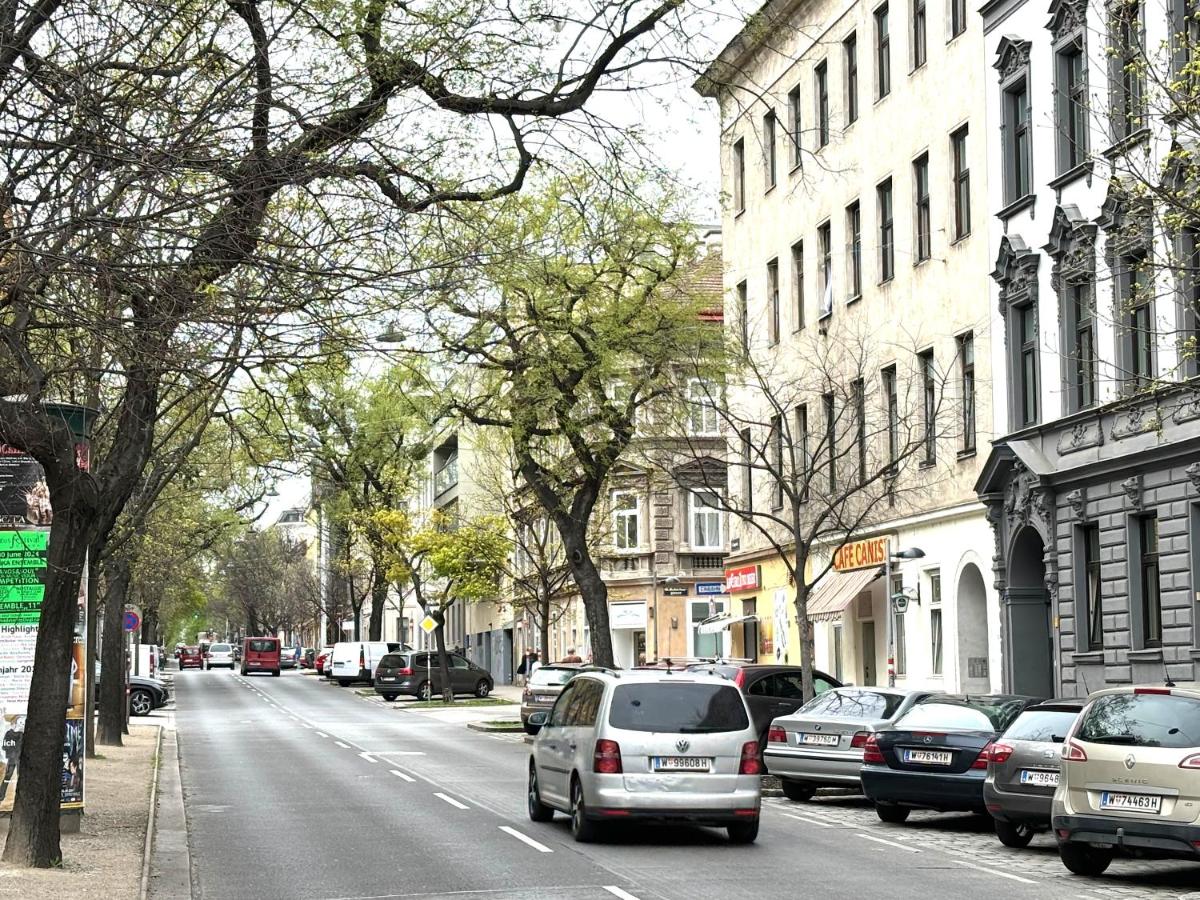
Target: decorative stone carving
(1028, 502)
(993, 512)
(1080, 436)
(1016, 272)
(1136, 420)
(1012, 56)
(1188, 408)
(1193, 474)
(1132, 487)
(1078, 503)
(1066, 18)
(1127, 220)
(1072, 246)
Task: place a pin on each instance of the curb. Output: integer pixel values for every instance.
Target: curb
(496, 729)
(151, 819)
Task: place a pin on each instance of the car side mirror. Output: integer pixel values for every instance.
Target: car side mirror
(539, 718)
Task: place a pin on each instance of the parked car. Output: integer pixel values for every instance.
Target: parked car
(191, 657)
(771, 691)
(419, 674)
(542, 689)
(357, 660)
(651, 746)
(260, 654)
(322, 659)
(145, 694)
(1023, 770)
(935, 755)
(1131, 778)
(219, 656)
(287, 658)
(822, 743)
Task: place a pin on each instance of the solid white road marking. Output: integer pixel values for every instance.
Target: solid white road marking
(368, 757)
(617, 892)
(450, 800)
(806, 819)
(400, 774)
(322, 734)
(970, 865)
(526, 839)
(889, 843)
(342, 745)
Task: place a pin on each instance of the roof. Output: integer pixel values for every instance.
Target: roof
(759, 27)
(707, 281)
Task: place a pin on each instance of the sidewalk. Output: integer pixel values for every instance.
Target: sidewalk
(104, 860)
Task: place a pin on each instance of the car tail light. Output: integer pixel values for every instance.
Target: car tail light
(981, 761)
(751, 761)
(362, 658)
(1162, 690)
(871, 752)
(607, 758)
(1073, 752)
(998, 753)
(776, 735)
(740, 678)
(404, 671)
(1191, 762)
(859, 741)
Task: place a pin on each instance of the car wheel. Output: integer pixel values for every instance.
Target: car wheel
(425, 691)
(1013, 834)
(890, 812)
(583, 829)
(389, 697)
(538, 811)
(797, 790)
(743, 832)
(483, 688)
(1083, 859)
(275, 673)
(243, 671)
(140, 703)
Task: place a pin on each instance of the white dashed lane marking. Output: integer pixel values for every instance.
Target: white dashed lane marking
(450, 800)
(889, 843)
(400, 774)
(536, 845)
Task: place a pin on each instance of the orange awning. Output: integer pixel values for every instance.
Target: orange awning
(837, 590)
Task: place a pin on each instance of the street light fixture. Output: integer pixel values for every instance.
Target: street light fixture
(909, 553)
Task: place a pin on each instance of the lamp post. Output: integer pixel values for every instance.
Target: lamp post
(910, 553)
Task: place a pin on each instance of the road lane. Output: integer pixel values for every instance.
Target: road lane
(374, 818)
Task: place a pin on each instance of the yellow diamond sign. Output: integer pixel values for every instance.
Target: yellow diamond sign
(428, 624)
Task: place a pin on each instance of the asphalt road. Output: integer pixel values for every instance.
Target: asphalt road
(295, 788)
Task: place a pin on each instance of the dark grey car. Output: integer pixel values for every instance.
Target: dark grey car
(419, 674)
(1023, 770)
(542, 689)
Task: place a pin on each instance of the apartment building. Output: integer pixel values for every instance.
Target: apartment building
(856, 253)
(1093, 487)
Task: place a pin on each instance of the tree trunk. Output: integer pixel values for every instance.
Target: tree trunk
(807, 642)
(89, 682)
(33, 836)
(439, 616)
(544, 623)
(379, 592)
(113, 705)
(594, 592)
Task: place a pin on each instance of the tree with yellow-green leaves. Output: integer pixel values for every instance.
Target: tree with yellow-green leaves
(442, 561)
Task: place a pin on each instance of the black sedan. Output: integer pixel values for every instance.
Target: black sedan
(935, 756)
(145, 694)
(771, 691)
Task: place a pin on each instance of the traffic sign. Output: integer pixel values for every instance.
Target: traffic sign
(132, 620)
(428, 624)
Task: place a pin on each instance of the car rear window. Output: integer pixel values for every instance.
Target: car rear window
(1045, 725)
(552, 676)
(843, 704)
(678, 708)
(394, 661)
(263, 646)
(1142, 720)
(219, 648)
(964, 714)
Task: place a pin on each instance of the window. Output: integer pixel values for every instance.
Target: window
(1089, 606)
(935, 622)
(626, 526)
(804, 459)
(703, 416)
(776, 462)
(798, 282)
(794, 126)
(962, 184)
(769, 147)
(739, 175)
(773, 302)
(887, 231)
(921, 199)
(743, 301)
(850, 53)
(1136, 303)
(966, 376)
(1149, 602)
(892, 412)
(918, 34)
(858, 391)
(705, 520)
(830, 438)
(928, 407)
(838, 671)
(958, 17)
(854, 249)
(747, 471)
(1071, 108)
(1027, 375)
(1018, 177)
(883, 54)
(1188, 280)
(822, 76)
(825, 246)
(1128, 79)
(1081, 331)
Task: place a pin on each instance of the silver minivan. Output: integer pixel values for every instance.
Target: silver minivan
(647, 746)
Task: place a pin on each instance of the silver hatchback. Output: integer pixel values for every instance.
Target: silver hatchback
(647, 746)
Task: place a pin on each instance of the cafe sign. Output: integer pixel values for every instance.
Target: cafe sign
(860, 554)
(743, 578)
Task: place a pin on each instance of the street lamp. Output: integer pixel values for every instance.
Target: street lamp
(910, 553)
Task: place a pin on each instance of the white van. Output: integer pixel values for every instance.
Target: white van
(356, 660)
(147, 663)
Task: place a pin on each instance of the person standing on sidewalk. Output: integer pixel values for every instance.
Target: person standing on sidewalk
(572, 656)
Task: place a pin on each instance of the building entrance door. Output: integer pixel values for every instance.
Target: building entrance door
(1029, 640)
(867, 652)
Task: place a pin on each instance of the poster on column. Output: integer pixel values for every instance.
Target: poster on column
(25, 520)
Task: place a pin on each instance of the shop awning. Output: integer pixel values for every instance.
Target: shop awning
(722, 621)
(837, 590)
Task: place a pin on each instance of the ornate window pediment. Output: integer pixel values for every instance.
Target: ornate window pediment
(1016, 271)
(1126, 219)
(1072, 246)
(1012, 56)
(1067, 18)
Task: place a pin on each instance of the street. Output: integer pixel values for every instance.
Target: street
(297, 788)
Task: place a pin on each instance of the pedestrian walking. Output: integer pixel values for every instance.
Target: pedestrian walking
(523, 668)
(534, 663)
(572, 656)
